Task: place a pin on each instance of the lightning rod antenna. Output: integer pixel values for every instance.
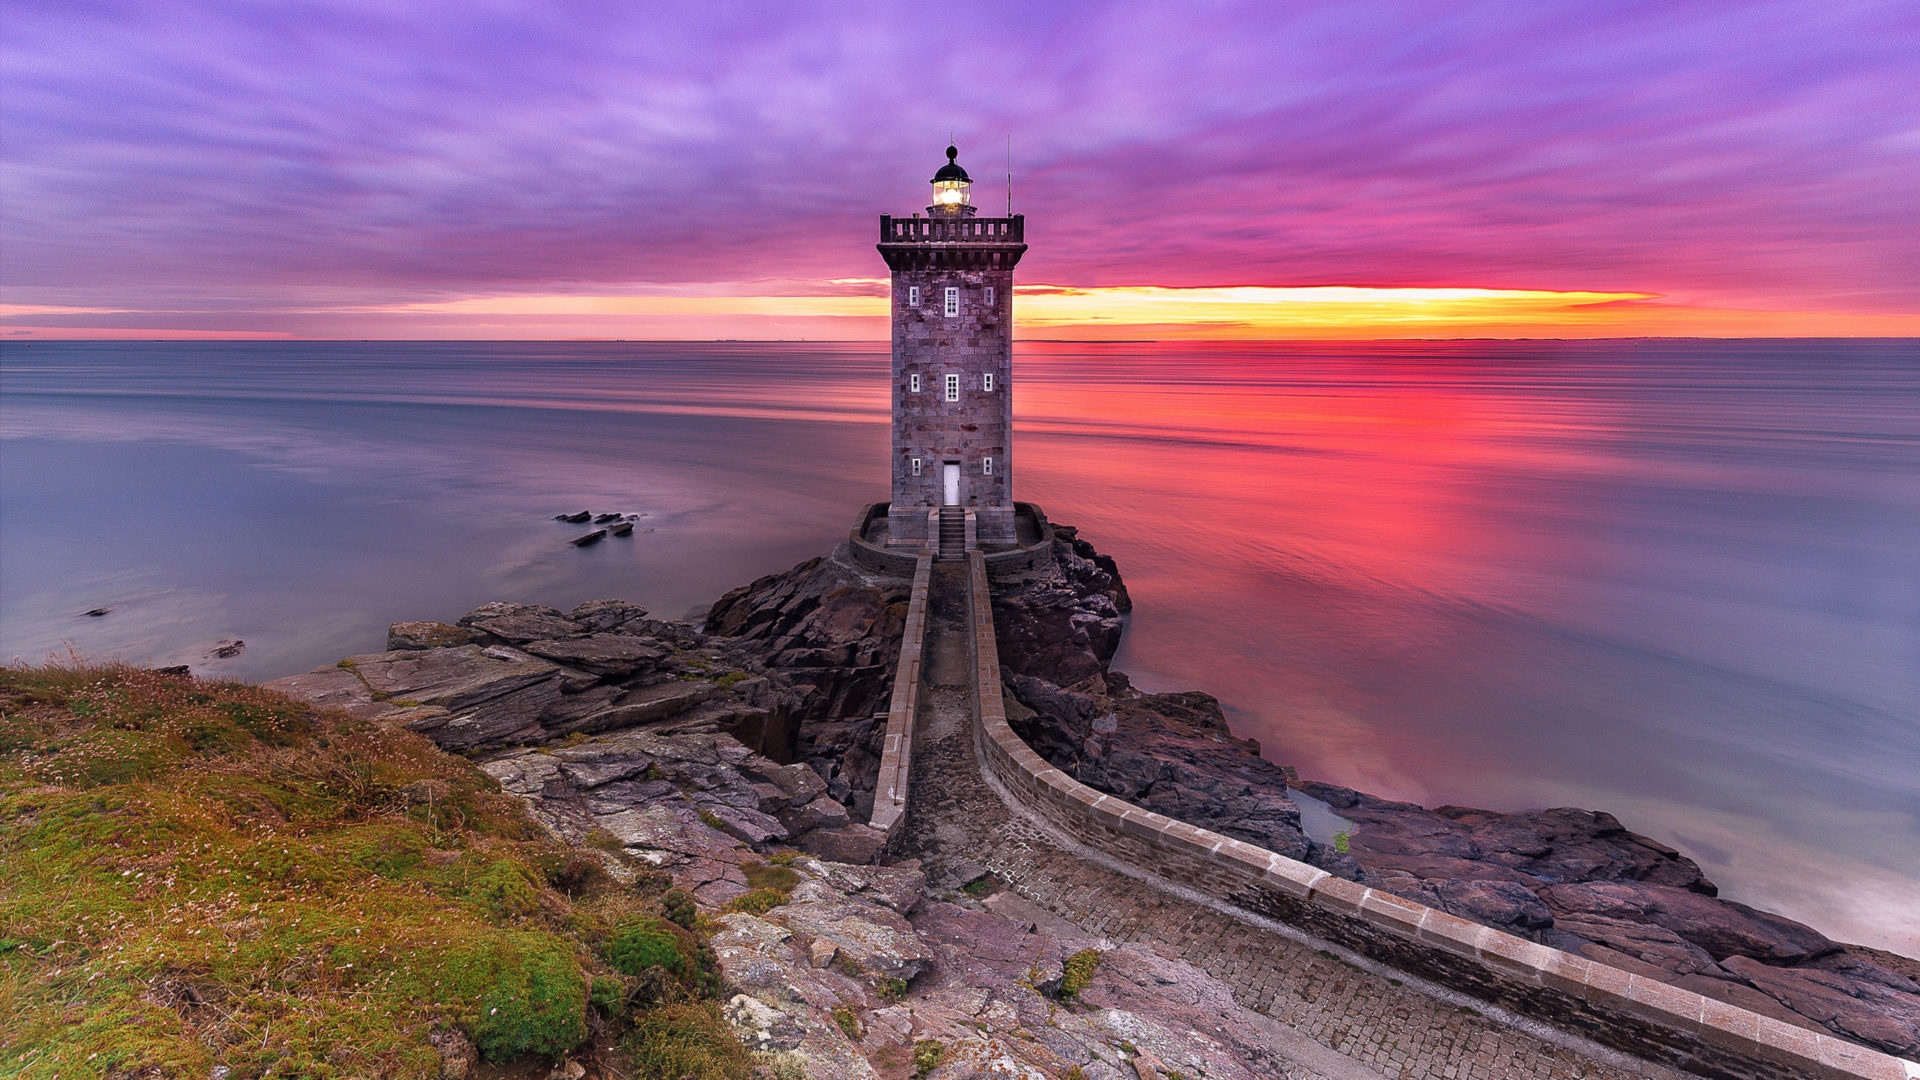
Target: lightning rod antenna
(1009, 175)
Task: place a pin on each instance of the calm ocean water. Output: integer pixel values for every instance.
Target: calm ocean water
(1679, 581)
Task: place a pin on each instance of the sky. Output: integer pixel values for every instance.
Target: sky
(715, 170)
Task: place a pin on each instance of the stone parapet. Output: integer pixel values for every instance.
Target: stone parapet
(893, 561)
(1649, 1019)
(896, 755)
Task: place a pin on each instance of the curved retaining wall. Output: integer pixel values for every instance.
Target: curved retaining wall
(896, 755)
(899, 561)
(896, 562)
(1644, 1017)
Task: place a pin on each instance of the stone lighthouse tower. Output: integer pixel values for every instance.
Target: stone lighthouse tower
(952, 366)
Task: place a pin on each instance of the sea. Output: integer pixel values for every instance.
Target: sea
(1676, 580)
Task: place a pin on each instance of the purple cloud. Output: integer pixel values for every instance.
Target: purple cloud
(251, 157)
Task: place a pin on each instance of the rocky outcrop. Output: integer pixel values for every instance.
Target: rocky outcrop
(671, 801)
(1173, 753)
(860, 965)
(827, 637)
(1572, 878)
(1578, 880)
(763, 727)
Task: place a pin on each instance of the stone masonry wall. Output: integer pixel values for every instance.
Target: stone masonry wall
(975, 344)
(1644, 1017)
(896, 756)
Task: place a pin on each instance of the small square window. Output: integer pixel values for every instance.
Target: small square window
(986, 466)
(913, 383)
(953, 388)
(953, 301)
(916, 466)
(986, 382)
(913, 296)
(989, 296)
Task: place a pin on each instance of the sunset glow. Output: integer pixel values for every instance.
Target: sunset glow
(659, 172)
(855, 310)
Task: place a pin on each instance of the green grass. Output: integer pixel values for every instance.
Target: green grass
(205, 874)
(757, 901)
(677, 1041)
(648, 943)
(1078, 973)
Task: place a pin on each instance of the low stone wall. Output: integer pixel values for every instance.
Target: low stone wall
(899, 561)
(896, 755)
(1013, 562)
(894, 562)
(1643, 1017)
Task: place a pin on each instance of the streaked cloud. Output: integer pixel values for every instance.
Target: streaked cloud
(276, 169)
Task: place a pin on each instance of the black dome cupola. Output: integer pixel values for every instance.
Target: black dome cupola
(950, 184)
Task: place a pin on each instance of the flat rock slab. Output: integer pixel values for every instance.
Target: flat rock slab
(426, 635)
(874, 938)
(491, 696)
(524, 628)
(603, 654)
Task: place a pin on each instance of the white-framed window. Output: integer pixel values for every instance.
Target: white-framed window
(986, 382)
(913, 383)
(916, 466)
(953, 301)
(913, 296)
(953, 388)
(986, 466)
(989, 296)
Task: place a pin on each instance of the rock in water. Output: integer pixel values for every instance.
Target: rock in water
(604, 518)
(580, 518)
(625, 528)
(97, 612)
(591, 538)
(228, 649)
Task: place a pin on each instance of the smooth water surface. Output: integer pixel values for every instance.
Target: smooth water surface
(1679, 581)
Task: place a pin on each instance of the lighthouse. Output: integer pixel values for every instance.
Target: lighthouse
(952, 278)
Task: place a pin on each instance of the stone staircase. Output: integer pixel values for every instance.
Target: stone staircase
(953, 534)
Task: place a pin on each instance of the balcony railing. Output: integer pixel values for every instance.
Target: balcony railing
(921, 230)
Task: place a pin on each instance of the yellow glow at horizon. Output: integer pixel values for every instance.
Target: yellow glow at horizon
(1239, 307)
(1253, 306)
(709, 310)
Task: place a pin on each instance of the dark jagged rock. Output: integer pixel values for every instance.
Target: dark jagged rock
(827, 638)
(1722, 928)
(589, 539)
(1572, 878)
(580, 518)
(602, 616)
(602, 519)
(1173, 753)
(97, 612)
(625, 528)
(799, 667)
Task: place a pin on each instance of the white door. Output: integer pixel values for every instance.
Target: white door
(951, 472)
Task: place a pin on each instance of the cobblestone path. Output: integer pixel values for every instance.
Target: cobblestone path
(957, 823)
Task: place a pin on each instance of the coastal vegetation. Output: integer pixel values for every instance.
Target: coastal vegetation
(210, 874)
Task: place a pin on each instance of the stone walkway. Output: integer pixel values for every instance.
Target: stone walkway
(957, 823)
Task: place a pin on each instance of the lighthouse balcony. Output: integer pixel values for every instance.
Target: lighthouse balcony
(931, 230)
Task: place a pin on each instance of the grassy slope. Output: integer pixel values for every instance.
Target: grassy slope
(197, 874)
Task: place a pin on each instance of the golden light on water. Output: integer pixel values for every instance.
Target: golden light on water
(853, 309)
